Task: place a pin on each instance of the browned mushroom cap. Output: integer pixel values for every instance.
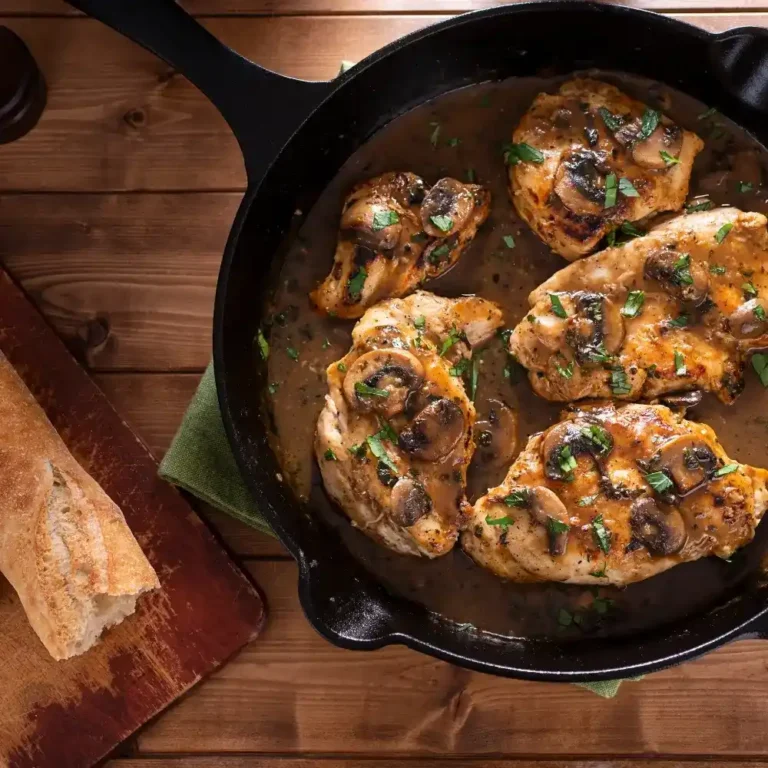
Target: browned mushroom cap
(680, 276)
(410, 502)
(569, 439)
(496, 436)
(547, 510)
(372, 224)
(749, 322)
(380, 381)
(662, 533)
(434, 432)
(667, 137)
(597, 330)
(580, 181)
(446, 208)
(408, 189)
(688, 460)
(682, 401)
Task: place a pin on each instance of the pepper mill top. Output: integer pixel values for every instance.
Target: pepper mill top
(22, 88)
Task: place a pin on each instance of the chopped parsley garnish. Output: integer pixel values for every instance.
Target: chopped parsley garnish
(556, 527)
(610, 238)
(342, 367)
(722, 233)
(704, 205)
(680, 367)
(659, 481)
(452, 338)
(585, 501)
(648, 123)
(386, 432)
(443, 223)
(564, 618)
(711, 112)
(292, 353)
(567, 372)
(509, 241)
(611, 189)
(746, 186)
(681, 270)
(599, 436)
(760, 364)
(612, 122)
(619, 381)
(436, 253)
(453, 142)
(263, 345)
(359, 451)
(330, 455)
(419, 237)
(600, 354)
(759, 312)
(678, 322)
(601, 533)
(461, 367)
(504, 522)
(518, 498)
(383, 219)
(629, 229)
(326, 343)
(474, 378)
(355, 283)
(420, 322)
(716, 269)
(504, 334)
(627, 188)
(273, 386)
(633, 304)
(516, 153)
(726, 470)
(669, 159)
(435, 135)
(471, 175)
(557, 305)
(530, 318)
(749, 289)
(598, 574)
(368, 391)
(378, 450)
(566, 461)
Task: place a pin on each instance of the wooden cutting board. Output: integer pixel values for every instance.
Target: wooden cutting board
(67, 714)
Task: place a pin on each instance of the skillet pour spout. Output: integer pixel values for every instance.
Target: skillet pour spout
(311, 130)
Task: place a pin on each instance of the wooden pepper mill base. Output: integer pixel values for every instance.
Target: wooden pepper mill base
(22, 88)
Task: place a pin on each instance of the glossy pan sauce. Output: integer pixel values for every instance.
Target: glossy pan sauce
(460, 134)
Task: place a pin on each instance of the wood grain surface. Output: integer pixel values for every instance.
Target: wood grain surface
(272, 762)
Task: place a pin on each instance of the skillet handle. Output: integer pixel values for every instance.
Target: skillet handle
(740, 60)
(262, 108)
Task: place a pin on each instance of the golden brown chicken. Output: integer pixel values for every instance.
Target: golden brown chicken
(394, 234)
(613, 496)
(394, 439)
(676, 310)
(589, 158)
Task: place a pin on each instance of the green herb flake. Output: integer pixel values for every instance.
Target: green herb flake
(263, 345)
(419, 237)
(760, 364)
(602, 605)
(703, 205)
(453, 337)
(435, 135)
(509, 241)
(633, 304)
(518, 498)
(474, 378)
(516, 153)
(746, 186)
(326, 343)
(681, 270)
(611, 190)
(600, 354)
(359, 451)
(599, 574)
(530, 318)
(612, 122)
(453, 142)
(355, 284)
(630, 230)
(330, 455)
(669, 159)
(420, 322)
(556, 527)
(564, 618)
(726, 470)
(599, 436)
(681, 321)
(680, 367)
(659, 481)
(567, 372)
(627, 188)
(443, 223)
(368, 391)
(386, 432)
(504, 522)
(557, 305)
(378, 450)
(292, 353)
(716, 269)
(601, 533)
(610, 238)
(383, 219)
(566, 461)
(586, 501)
(619, 381)
(461, 367)
(749, 289)
(759, 312)
(648, 123)
(722, 233)
(273, 387)
(341, 367)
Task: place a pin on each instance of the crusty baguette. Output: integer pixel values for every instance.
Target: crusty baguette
(64, 544)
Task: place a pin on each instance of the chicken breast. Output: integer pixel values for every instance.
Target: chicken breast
(394, 439)
(613, 496)
(677, 310)
(394, 234)
(588, 158)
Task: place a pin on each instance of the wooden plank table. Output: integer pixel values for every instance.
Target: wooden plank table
(113, 214)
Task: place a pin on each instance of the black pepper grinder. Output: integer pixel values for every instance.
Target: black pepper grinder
(22, 88)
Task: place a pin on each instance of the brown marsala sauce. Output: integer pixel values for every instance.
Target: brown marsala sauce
(423, 141)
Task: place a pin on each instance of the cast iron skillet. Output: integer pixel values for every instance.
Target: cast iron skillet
(294, 136)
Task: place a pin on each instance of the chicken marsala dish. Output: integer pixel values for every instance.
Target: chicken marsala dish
(589, 158)
(615, 495)
(676, 310)
(394, 439)
(394, 234)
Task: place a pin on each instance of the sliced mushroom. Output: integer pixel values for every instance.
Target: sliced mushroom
(747, 321)
(688, 460)
(446, 208)
(391, 371)
(408, 189)
(662, 533)
(496, 436)
(680, 276)
(364, 222)
(683, 400)
(547, 510)
(578, 437)
(410, 502)
(667, 137)
(434, 431)
(580, 181)
(597, 330)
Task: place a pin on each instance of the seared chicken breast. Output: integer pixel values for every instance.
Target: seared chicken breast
(588, 158)
(614, 495)
(394, 234)
(394, 439)
(676, 310)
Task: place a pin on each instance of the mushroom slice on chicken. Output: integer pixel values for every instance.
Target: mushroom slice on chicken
(394, 439)
(614, 495)
(588, 158)
(676, 310)
(396, 233)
